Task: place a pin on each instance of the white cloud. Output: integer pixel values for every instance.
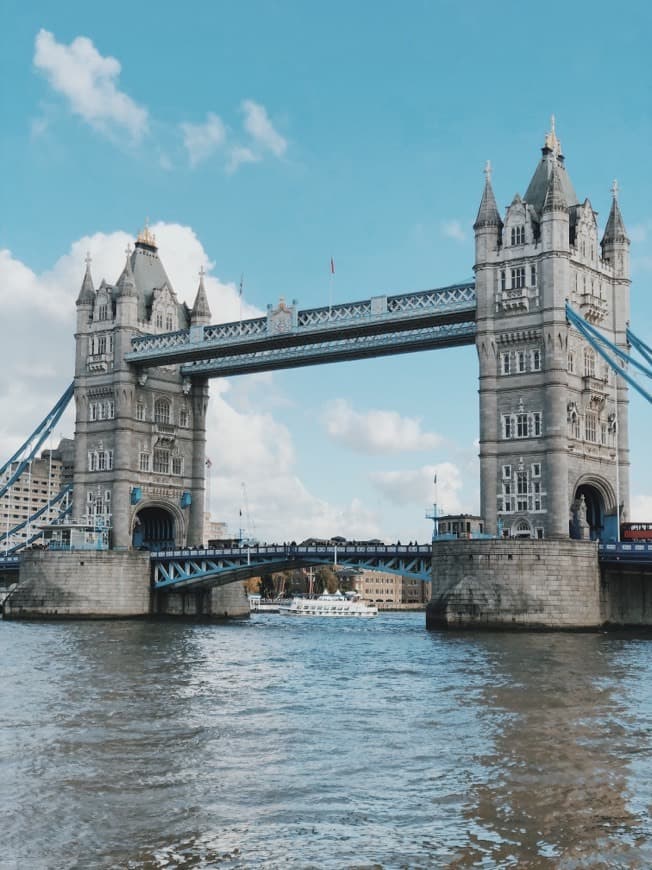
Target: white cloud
(261, 129)
(89, 82)
(453, 229)
(416, 487)
(246, 444)
(239, 156)
(640, 509)
(202, 140)
(375, 431)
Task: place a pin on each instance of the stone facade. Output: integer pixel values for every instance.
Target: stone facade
(140, 433)
(515, 584)
(218, 602)
(553, 423)
(81, 584)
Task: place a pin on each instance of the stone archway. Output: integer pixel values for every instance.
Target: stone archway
(154, 529)
(521, 529)
(588, 512)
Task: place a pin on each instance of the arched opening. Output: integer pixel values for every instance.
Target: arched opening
(153, 529)
(587, 513)
(521, 529)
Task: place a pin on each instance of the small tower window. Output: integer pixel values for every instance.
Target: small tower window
(533, 276)
(518, 277)
(520, 361)
(140, 411)
(503, 279)
(518, 235)
(159, 320)
(505, 362)
(589, 363)
(162, 411)
(536, 360)
(161, 462)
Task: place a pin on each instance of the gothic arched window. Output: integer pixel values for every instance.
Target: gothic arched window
(162, 411)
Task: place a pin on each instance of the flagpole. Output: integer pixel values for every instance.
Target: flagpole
(240, 298)
(330, 286)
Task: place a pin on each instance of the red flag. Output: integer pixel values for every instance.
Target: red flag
(332, 266)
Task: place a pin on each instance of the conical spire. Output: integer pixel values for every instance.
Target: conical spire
(555, 199)
(615, 229)
(201, 312)
(126, 284)
(488, 215)
(87, 291)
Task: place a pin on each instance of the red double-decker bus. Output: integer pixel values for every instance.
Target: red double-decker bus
(636, 532)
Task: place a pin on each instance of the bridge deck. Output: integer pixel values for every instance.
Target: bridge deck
(288, 338)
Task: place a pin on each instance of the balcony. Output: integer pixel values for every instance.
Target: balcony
(593, 308)
(515, 299)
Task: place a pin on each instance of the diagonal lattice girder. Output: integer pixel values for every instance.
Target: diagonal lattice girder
(336, 350)
(177, 570)
(371, 318)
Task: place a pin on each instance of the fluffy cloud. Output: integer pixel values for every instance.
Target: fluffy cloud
(261, 129)
(416, 486)
(453, 229)
(255, 449)
(240, 155)
(202, 140)
(376, 431)
(640, 509)
(246, 442)
(88, 81)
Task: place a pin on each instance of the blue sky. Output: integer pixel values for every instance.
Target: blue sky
(262, 138)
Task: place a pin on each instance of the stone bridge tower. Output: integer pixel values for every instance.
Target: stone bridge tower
(139, 434)
(554, 453)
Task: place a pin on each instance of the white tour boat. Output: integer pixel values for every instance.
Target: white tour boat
(257, 604)
(331, 604)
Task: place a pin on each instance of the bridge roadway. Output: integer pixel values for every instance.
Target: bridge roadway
(289, 338)
(217, 567)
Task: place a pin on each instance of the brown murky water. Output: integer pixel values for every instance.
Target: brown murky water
(283, 743)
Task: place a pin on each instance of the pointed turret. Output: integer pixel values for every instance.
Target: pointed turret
(201, 312)
(551, 157)
(615, 243)
(488, 215)
(555, 199)
(87, 291)
(126, 284)
(615, 229)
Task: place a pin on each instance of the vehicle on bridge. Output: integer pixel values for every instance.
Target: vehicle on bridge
(636, 532)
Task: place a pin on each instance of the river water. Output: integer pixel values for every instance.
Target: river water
(322, 744)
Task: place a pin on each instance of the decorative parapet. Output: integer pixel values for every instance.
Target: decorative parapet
(380, 314)
(593, 308)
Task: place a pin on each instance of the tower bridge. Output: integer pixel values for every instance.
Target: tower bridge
(554, 442)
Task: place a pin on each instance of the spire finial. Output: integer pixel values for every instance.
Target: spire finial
(487, 171)
(201, 272)
(88, 259)
(552, 143)
(128, 249)
(146, 237)
(615, 189)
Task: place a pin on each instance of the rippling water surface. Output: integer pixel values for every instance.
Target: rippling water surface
(322, 744)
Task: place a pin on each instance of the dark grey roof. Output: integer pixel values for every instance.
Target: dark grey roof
(87, 291)
(615, 230)
(535, 195)
(149, 275)
(488, 214)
